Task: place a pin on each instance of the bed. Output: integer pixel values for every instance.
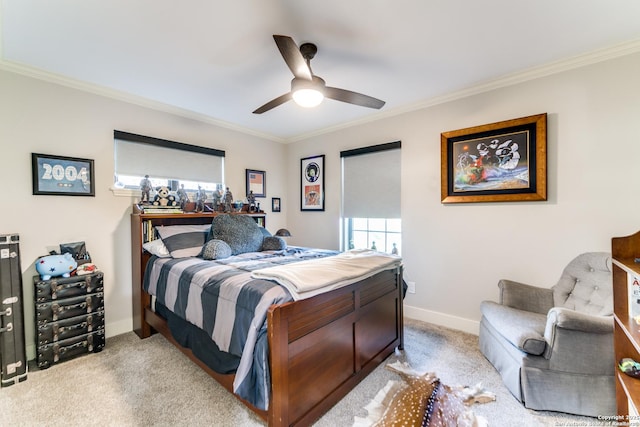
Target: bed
(307, 352)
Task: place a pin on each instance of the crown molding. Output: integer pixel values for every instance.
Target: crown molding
(577, 61)
(601, 55)
(95, 89)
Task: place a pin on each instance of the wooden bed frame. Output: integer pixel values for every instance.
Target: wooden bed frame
(319, 348)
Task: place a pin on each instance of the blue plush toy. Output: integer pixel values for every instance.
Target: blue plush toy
(55, 265)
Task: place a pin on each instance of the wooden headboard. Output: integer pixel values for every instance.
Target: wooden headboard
(141, 225)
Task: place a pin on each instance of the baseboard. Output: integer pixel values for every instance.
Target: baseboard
(31, 351)
(117, 328)
(442, 319)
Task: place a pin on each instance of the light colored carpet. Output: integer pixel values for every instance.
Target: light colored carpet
(135, 382)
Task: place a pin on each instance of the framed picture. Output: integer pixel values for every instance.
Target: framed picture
(256, 181)
(62, 176)
(312, 183)
(275, 204)
(498, 162)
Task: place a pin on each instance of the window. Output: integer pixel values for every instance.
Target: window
(371, 198)
(168, 163)
(381, 234)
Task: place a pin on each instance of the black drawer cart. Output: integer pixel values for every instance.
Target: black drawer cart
(69, 317)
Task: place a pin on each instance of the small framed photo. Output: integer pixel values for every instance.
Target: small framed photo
(275, 204)
(497, 162)
(256, 182)
(62, 176)
(312, 183)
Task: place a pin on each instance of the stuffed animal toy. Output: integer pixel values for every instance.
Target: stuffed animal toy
(163, 198)
(55, 265)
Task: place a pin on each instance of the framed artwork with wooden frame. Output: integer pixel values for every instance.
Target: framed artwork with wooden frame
(499, 162)
(62, 176)
(256, 182)
(312, 183)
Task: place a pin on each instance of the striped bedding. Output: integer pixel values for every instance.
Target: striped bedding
(221, 298)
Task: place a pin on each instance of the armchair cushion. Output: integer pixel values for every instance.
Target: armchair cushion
(523, 329)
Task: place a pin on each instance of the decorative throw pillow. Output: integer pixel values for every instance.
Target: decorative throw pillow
(264, 231)
(157, 248)
(240, 232)
(273, 243)
(215, 249)
(184, 240)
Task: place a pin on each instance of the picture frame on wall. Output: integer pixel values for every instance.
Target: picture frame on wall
(312, 183)
(498, 162)
(256, 181)
(275, 204)
(62, 176)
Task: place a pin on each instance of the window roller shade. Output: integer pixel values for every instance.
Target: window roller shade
(148, 158)
(371, 184)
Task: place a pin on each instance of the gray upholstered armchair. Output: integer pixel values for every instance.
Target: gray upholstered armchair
(554, 347)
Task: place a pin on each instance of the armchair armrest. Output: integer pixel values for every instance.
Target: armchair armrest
(525, 297)
(569, 319)
(579, 342)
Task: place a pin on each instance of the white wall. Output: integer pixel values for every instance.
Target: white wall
(36, 116)
(454, 253)
(457, 253)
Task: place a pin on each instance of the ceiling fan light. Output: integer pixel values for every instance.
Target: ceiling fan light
(308, 98)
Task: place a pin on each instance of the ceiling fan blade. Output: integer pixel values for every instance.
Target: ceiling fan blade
(353, 97)
(273, 103)
(292, 56)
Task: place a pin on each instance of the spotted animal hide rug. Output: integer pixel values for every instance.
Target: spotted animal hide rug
(422, 400)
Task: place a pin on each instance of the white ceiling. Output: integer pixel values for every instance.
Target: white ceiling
(217, 61)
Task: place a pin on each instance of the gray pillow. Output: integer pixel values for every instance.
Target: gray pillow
(241, 233)
(273, 243)
(265, 232)
(184, 240)
(215, 249)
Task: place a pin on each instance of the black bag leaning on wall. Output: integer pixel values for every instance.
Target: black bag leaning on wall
(13, 357)
(78, 250)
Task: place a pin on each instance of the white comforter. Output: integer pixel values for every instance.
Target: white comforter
(312, 277)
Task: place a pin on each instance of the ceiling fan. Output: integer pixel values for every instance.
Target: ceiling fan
(307, 89)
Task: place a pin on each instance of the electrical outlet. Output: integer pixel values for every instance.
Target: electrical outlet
(411, 287)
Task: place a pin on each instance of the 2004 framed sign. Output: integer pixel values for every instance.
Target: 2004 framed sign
(312, 183)
(62, 176)
(498, 162)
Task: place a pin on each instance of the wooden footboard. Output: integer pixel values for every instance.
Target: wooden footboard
(322, 347)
